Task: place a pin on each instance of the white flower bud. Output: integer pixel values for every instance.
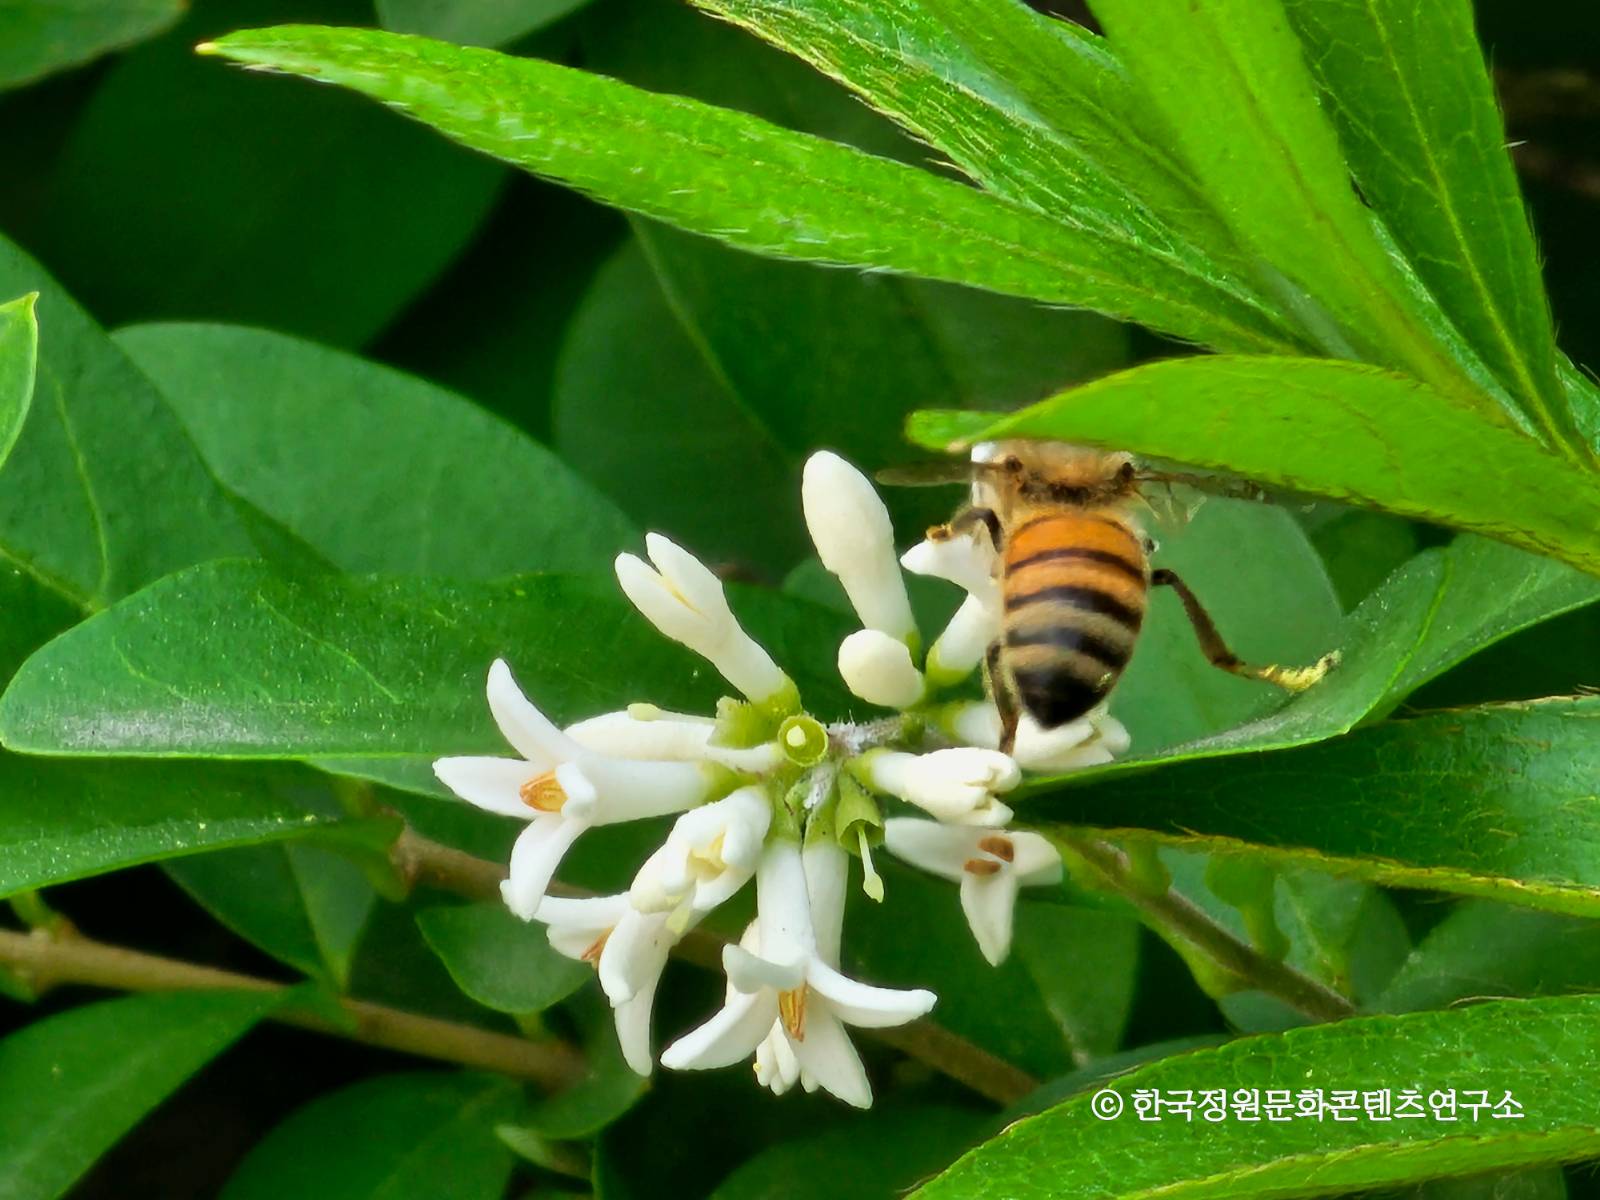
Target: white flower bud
(969, 562)
(855, 540)
(879, 669)
(956, 785)
(685, 601)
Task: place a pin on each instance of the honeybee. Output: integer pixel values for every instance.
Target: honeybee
(1075, 574)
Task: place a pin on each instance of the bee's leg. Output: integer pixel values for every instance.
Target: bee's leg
(965, 520)
(1004, 696)
(1293, 679)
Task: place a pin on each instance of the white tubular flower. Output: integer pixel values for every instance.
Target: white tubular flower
(684, 600)
(639, 733)
(786, 982)
(878, 668)
(560, 788)
(958, 784)
(1090, 741)
(709, 855)
(969, 562)
(851, 530)
(990, 865)
(629, 950)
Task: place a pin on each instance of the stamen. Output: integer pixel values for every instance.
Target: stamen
(543, 792)
(592, 954)
(980, 866)
(998, 846)
(792, 1012)
(871, 881)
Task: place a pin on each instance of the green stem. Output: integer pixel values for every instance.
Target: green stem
(1174, 916)
(65, 957)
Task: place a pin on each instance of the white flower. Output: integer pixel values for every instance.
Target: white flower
(684, 600)
(958, 784)
(855, 540)
(645, 732)
(971, 563)
(878, 668)
(1092, 740)
(990, 864)
(627, 948)
(709, 855)
(786, 982)
(560, 788)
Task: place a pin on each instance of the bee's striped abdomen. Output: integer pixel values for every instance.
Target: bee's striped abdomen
(1075, 587)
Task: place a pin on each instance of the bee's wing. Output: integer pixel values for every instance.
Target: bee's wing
(1211, 485)
(928, 474)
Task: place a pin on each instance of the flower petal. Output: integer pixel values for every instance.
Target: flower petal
(534, 859)
(878, 669)
(854, 537)
(829, 1058)
(632, 1018)
(932, 846)
(728, 1037)
(574, 925)
(827, 869)
(751, 973)
(864, 1005)
(1035, 860)
(634, 955)
(988, 901)
(777, 1068)
(530, 732)
(492, 784)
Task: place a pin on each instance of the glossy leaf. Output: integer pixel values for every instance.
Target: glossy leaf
(1331, 429)
(1484, 950)
(443, 488)
(185, 190)
(300, 903)
(61, 821)
(608, 1089)
(1503, 789)
(473, 22)
(237, 660)
(103, 490)
(876, 1155)
(19, 352)
(1085, 965)
(391, 1137)
(1541, 1051)
(1418, 123)
(1029, 107)
(45, 36)
(1231, 82)
(499, 960)
(837, 204)
(76, 1082)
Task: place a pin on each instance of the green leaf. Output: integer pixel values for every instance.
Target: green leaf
(61, 821)
(747, 182)
(1331, 429)
(608, 1089)
(973, 85)
(1417, 119)
(443, 487)
(76, 1082)
(500, 961)
(473, 22)
(1085, 965)
(393, 1137)
(103, 490)
(1540, 1051)
(1505, 788)
(185, 190)
(236, 659)
(1242, 110)
(299, 903)
(45, 36)
(876, 1155)
(19, 352)
(1484, 950)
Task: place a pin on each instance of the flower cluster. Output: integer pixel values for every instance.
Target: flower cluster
(766, 791)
